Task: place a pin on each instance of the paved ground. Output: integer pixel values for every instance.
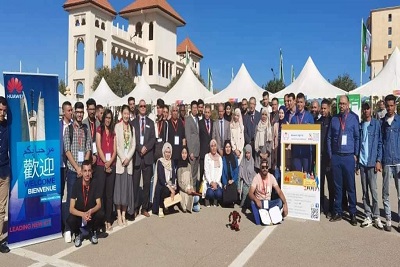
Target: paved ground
(203, 239)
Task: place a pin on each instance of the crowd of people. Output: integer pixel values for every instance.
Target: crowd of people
(233, 159)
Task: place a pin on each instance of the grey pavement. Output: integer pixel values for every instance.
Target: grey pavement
(203, 239)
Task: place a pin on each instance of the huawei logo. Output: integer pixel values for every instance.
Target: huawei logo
(14, 84)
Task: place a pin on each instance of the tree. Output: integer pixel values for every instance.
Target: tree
(274, 86)
(118, 78)
(62, 88)
(176, 79)
(344, 82)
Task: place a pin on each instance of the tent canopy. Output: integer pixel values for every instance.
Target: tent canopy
(142, 90)
(103, 94)
(241, 87)
(187, 89)
(2, 92)
(386, 82)
(312, 84)
(62, 98)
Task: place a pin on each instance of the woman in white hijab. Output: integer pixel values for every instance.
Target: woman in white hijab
(165, 180)
(246, 175)
(263, 140)
(237, 134)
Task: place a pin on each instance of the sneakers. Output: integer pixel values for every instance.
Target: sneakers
(78, 240)
(207, 203)
(160, 213)
(366, 223)
(67, 237)
(388, 226)
(378, 224)
(94, 238)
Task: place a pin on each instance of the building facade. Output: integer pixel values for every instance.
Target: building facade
(384, 25)
(148, 46)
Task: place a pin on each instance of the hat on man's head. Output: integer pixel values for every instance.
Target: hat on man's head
(365, 106)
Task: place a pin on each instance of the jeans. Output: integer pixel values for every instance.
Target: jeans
(388, 172)
(343, 168)
(368, 181)
(71, 178)
(214, 194)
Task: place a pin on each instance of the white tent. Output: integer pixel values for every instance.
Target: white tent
(387, 80)
(241, 87)
(2, 92)
(312, 84)
(142, 90)
(103, 94)
(62, 98)
(187, 89)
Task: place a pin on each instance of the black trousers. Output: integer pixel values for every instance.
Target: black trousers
(63, 173)
(163, 195)
(201, 174)
(75, 222)
(147, 172)
(105, 182)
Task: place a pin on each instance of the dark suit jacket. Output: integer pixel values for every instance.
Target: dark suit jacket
(250, 127)
(149, 141)
(205, 137)
(216, 132)
(192, 136)
(172, 132)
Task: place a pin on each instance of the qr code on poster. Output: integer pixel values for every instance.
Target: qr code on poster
(314, 213)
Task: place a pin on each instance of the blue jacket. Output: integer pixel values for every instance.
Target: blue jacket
(301, 151)
(374, 142)
(391, 141)
(234, 172)
(351, 130)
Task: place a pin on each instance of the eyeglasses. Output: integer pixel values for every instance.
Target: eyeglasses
(142, 106)
(264, 167)
(108, 118)
(79, 112)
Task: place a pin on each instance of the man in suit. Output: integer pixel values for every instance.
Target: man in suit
(176, 134)
(193, 140)
(250, 122)
(222, 130)
(205, 130)
(143, 163)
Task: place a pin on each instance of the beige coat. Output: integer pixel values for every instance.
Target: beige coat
(121, 153)
(237, 140)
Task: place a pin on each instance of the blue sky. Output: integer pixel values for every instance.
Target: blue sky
(227, 32)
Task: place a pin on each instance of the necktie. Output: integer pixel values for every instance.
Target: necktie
(208, 126)
(222, 132)
(252, 118)
(142, 128)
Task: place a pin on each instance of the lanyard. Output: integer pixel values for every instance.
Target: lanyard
(343, 123)
(108, 138)
(301, 121)
(92, 129)
(160, 126)
(85, 194)
(175, 125)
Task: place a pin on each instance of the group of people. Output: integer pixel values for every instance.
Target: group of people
(235, 158)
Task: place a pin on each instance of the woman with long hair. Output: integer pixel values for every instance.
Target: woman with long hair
(105, 169)
(123, 189)
(263, 140)
(237, 134)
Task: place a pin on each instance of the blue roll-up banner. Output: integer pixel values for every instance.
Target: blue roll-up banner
(34, 212)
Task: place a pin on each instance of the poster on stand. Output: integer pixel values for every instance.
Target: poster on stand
(300, 159)
(34, 212)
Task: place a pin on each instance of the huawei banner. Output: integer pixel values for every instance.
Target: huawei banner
(35, 203)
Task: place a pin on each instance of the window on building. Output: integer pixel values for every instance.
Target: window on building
(390, 17)
(97, 23)
(150, 67)
(390, 31)
(103, 26)
(151, 30)
(163, 69)
(138, 29)
(159, 67)
(80, 54)
(390, 44)
(83, 21)
(80, 89)
(166, 71)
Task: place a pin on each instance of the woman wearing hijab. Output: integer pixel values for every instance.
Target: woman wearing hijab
(246, 175)
(165, 180)
(212, 175)
(123, 188)
(230, 175)
(263, 140)
(276, 159)
(189, 200)
(237, 134)
(228, 111)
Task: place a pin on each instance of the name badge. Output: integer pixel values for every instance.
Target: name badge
(142, 140)
(265, 204)
(94, 148)
(344, 140)
(176, 140)
(80, 156)
(108, 156)
(159, 140)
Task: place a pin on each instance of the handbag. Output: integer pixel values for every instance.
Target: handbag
(230, 194)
